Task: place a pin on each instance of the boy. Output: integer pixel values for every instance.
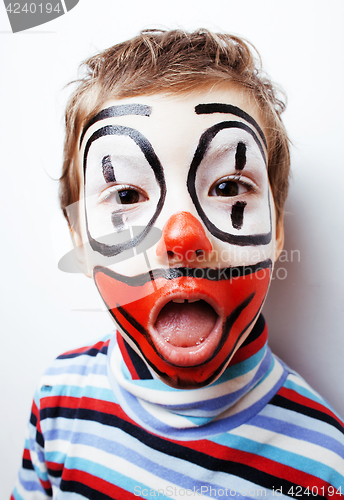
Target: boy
(174, 182)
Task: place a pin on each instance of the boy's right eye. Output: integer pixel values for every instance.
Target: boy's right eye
(123, 195)
(128, 196)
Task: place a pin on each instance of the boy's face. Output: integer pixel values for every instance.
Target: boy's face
(179, 227)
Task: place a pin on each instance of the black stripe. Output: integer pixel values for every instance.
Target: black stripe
(206, 109)
(120, 110)
(55, 473)
(27, 464)
(33, 419)
(85, 491)
(286, 403)
(139, 365)
(256, 332)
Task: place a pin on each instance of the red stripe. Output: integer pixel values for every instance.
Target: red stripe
(27, 454)
(35, 412)
(99, 345)
(126, 357)
(86, 404)
(97, 484)
(258, 462)
(303, 400)
(54, 466)
(46, 484)
(251, 349)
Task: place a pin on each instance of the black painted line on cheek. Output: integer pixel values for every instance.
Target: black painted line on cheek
(240, 156)
(117, 220)
(237, 214)
(120, 110)
(108, 172)
(207, 109)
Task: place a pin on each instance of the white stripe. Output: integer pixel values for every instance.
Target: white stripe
(77, 380)
(292, 445)
(166, 416)
(299, 381)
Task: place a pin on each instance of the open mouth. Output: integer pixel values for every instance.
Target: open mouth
(186, 323)
(186, 331)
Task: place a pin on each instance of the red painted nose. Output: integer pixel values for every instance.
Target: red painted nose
(183, 235)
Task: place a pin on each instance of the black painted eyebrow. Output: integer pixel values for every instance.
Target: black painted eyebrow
(218, 107)
(119, 110)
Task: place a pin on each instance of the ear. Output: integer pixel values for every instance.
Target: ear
(279, 243)
(80, 253)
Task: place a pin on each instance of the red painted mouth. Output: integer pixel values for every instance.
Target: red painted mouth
(186, 343)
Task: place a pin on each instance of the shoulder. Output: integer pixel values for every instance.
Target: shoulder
(301, 436)
(74, 373)
(299, 400)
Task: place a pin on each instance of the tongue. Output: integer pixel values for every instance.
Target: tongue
(186, 325)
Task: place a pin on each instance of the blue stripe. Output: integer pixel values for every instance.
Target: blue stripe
(239, 369)
(80, 369)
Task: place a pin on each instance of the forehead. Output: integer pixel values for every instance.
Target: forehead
(176, 122)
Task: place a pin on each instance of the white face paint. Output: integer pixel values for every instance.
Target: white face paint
(196, 172)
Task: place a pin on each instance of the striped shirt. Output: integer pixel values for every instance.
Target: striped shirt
(102, 427)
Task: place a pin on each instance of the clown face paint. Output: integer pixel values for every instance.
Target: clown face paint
(192, 170)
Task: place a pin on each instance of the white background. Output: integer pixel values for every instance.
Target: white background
(44, 311)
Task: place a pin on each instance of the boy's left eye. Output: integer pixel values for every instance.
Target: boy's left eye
(228, 188)
(128, 197)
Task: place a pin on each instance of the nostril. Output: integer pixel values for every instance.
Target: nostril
(170, 254)
(199, 252)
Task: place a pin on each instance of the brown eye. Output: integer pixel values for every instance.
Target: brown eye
(128, 197)
(225, 188)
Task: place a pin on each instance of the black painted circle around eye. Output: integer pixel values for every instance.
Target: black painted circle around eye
(147, 150)
(206, 138)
